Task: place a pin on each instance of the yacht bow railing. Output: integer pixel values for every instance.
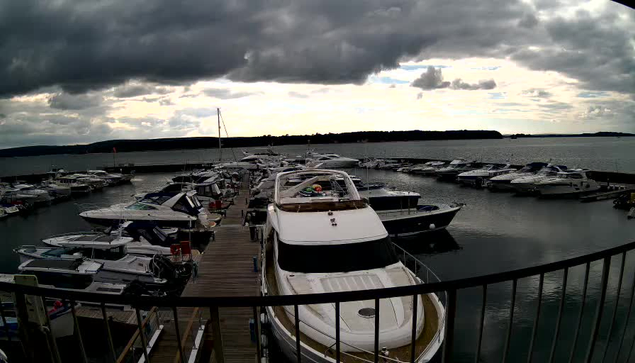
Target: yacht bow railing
(618, 339)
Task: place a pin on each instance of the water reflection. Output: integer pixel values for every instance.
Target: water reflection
(430, 243)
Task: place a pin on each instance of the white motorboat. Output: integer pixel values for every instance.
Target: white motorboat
(479, 177)
(180, 210)
(327, 239)
(455, 168)
(427, 168)
(117, 264)
(109, 178)
(527, 184)
(142, 245)
(30, 193)
(503, 182)
(75, 275)
(95, 183)
(55, 190)
(327, 161)
(567, 183)
(74, 184)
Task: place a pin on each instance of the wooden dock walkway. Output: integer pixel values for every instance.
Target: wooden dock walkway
(226, 268)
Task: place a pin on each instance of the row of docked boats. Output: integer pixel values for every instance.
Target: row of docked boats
(20, 197)
(538, 178)
(401, 212)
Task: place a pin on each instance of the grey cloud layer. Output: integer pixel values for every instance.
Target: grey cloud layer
(433, 79)
(83, 45)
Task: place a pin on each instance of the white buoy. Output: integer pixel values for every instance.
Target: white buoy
(432, 226)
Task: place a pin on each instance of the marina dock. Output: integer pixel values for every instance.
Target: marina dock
(226, 268)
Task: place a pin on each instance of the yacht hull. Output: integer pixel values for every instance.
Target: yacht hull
(403, 223)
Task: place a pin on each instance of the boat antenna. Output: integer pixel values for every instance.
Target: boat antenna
(220, 149)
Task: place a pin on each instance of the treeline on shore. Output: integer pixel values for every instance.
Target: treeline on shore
(237, 142)
(586, 134)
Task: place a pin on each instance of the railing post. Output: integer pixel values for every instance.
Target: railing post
(298, 349)
(142, 335)
(482, 325)
(628, 317)
(560, 310)
(178, 334)
(450, 311)
(337, 331)
(413, 337)
(78, 332)
(257, 331)
(582, 304)
(511, 320)
(617, 302)
(376, 330)
(218, 339)
(534, 331)
(606, 269)
(111, 345)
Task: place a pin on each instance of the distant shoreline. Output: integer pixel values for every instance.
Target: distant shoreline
(189, 143)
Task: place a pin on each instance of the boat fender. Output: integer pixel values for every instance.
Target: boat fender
(264, 341)
(264, 320)
(432, 226)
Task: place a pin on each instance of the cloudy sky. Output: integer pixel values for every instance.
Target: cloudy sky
(75, 71)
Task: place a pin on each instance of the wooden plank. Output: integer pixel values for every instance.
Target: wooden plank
(226, 268)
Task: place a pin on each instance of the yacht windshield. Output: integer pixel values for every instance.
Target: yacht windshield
(336, 258)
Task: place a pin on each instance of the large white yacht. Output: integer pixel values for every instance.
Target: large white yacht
(479, 177)
(503, 182)
(327, 161)
(567, 183)
(527, 184)
(322, 237)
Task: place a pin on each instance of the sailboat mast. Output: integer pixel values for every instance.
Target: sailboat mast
(220, 149)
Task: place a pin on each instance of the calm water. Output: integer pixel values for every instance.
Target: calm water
(610, 153)
(494, 232)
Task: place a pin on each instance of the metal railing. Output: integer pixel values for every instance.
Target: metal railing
(452, 287)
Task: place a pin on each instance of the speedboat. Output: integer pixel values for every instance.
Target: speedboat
(74, 275)
(30, 193)
(455, 168)
(341, 246)
(74, 184)
(428, 168)
(567, 183)
(55, 190)
(323, 238)
(479, 177)
(109, 178)
(180, 210)
(402, 214)
(117, 265)
(527, 184)
(503, 182)
(326, 161)
(143, 239)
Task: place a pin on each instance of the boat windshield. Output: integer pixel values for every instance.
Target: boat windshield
(336, 258)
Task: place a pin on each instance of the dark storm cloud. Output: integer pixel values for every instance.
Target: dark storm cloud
(225, 94)
(433, 79)
(83, 45)
(134, 90)
(65, 101)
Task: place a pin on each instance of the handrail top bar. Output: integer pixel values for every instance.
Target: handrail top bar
(318, 298)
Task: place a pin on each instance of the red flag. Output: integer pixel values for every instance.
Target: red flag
(114, 149)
